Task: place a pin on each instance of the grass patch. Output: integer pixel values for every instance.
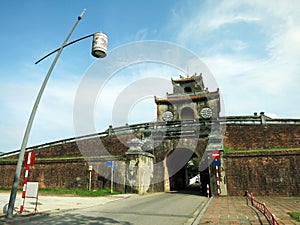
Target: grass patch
(295, 215)
(6, 189)
(77, 192)
(71, 192)
(10, 159)
(228, 150)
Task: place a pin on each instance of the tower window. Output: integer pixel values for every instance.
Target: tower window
(187, 114)
(187, 89)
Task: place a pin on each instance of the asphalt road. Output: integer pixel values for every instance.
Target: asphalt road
(159, 208)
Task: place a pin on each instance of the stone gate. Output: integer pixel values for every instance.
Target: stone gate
(188, 126)
(164, 155)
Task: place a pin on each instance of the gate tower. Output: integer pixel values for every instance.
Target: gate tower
(190, 100)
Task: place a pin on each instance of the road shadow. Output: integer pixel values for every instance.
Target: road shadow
(259, 215)
(190, 190)
(74, 219)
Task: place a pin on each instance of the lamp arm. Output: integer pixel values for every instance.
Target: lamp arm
(65, 45)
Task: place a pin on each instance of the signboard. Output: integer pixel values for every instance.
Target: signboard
(216, 163)
(29, 158)
(108, 163)
(32, 189)
(215, 154)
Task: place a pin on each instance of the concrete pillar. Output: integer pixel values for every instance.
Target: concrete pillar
(223, 181)
(167, 187)
(262, 118)
(110, 130)
(139, 168)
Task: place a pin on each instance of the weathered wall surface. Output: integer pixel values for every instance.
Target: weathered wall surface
(263, 173)
(273, 173)
(65, 166)
(66, 173)
(241, 137)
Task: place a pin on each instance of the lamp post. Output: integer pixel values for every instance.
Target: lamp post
(90, 177)
(99, 51)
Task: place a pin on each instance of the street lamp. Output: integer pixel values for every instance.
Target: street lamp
(99, 48)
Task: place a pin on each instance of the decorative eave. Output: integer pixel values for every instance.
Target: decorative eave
(184, 80)
(194, 98)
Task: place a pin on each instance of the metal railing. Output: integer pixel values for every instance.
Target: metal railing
(54, 143)
(262, 208)
(257, 120)
(172, 128)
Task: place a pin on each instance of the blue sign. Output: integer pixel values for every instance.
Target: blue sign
(108, 163)
(216, 163)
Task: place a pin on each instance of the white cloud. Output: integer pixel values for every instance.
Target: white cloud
(141, 34)
(250, 80)
(217, 16)
(53, 118)
(133, 88)
(230, 19)
(251, 47)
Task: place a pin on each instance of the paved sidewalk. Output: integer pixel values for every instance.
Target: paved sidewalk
(52, 204)
(280, 206)
(224, 210)
(234, 210)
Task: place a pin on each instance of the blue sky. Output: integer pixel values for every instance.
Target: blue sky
(252, 49)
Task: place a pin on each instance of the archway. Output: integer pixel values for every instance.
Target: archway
(188, 178)
(187, 113)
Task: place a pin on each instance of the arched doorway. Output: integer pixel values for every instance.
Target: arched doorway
(183, 169)
(187, 113)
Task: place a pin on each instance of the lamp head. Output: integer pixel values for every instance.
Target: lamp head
(99, 47)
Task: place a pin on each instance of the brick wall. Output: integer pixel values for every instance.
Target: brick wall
(65, 166)
(264, 173)
(262, 136)
(273, 173)
(65, 173)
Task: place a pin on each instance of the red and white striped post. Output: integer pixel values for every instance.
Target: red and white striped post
(207, 190)
(29, 160)
(218, 181)
(216, 155)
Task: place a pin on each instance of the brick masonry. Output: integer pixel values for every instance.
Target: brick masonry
(266, 172)
(271, 172)
(241, 137)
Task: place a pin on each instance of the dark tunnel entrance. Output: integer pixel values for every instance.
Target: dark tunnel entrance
(188, 178)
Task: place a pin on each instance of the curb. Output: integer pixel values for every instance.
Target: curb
(202, 211)
(22, 219)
